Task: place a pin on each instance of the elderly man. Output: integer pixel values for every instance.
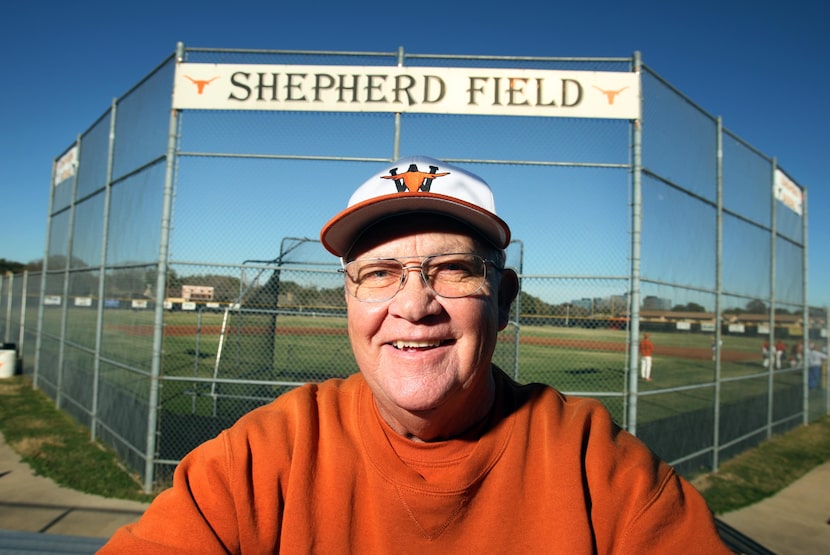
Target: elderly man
(430, 448)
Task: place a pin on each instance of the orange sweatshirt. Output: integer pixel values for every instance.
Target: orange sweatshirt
(318, 471)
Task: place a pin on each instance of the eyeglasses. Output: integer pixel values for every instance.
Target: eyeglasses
(452, 276)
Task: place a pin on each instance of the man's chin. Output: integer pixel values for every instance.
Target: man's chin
(418, 406)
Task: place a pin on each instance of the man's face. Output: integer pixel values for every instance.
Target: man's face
(422, 354)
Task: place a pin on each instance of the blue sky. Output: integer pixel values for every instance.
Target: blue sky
(762, 68)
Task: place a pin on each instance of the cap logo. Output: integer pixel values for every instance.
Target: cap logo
(413, 180)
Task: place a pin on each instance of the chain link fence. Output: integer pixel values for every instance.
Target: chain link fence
(183, 284)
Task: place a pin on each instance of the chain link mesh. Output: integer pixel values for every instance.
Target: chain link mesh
(232, 301)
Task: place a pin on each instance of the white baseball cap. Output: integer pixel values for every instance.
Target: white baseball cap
(417, 184)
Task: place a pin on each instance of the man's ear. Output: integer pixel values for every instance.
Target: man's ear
(508, 289)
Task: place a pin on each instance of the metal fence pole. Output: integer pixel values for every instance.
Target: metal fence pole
(518, 314)
(67, 270)
(716, 347)
(634, 300)
(9, 287)
(771, 349)
(161, 290)
(43, 272)
(805, 315)
(21, 332)
(396, 140)
(102, 273)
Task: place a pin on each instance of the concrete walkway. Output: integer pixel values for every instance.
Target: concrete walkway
(35, 504)
(38, 516)
(795, 521)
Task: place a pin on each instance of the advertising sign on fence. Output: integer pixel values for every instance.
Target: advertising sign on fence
(65, 166)
(787, 192)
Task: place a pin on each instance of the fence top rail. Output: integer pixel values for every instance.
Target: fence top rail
(401, 52)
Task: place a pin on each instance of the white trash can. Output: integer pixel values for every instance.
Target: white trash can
(8, 362)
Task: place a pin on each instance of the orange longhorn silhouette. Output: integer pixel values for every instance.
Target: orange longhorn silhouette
(200, 83)
(611, 95)
(414, 179)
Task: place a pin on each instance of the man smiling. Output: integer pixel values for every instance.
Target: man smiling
(430, 448)
(426, 357)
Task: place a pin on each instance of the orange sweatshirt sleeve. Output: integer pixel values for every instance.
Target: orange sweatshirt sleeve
(639, 503)
(228, 493)
(196, 515)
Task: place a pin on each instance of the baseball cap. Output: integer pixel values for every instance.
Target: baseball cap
(417, 184)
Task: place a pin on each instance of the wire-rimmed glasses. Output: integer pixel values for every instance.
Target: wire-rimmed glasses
(452, 275)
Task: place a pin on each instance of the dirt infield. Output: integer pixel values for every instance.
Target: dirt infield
(694, 353)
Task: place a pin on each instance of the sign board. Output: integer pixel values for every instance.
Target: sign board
(434, 90)
(83, 301)
(197, 292)
(683, 326)
(737, 328)
(52, 300)
(65, 166)
(788, 193)
(139, 303)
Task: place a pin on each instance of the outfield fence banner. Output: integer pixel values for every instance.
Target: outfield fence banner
(183, 283)
(788, 193)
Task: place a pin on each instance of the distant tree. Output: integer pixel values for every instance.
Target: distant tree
(689, 307)
(10, 266)
(174, 282)
(534, 305)
(756, 306)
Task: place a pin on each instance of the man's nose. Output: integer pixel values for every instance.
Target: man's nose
(415, 299)
(421, 278)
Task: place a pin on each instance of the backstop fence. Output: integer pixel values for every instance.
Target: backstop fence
(183, 284)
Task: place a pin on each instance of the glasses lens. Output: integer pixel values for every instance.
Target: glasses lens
(455, 275)
(374, 279)
(448, 275)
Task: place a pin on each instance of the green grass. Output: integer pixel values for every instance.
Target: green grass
(55, 446)
(765, 470)
(308, 348)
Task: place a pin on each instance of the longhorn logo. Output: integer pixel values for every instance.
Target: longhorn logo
(413, 180)
(200, 83)
(609, 94)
